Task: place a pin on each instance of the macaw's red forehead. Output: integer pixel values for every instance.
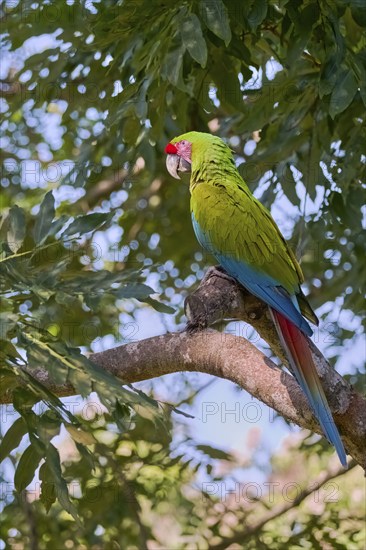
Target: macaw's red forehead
(171, 149)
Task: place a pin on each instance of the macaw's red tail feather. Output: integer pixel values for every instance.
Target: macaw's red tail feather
(298, 352)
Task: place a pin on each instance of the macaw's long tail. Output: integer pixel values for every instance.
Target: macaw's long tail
(297, 350)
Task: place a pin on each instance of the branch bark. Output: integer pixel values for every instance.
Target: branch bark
(234, 358)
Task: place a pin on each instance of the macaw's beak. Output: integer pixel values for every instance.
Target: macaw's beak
(175, 164)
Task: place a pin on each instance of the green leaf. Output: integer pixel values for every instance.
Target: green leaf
(343, 93)
(81, 381)
(26, 468)
(80, 436)
(328, 76)
(40, 355)
(288, 185)
(54, 465)
(214, 453)
(142, 293)
(17, 228)
(58, 224)
(12, 438)
(48, 426)
(85, 224)
(182, 413)
(159, 306)
(8, 322)
(131, 129)
(134, 290)
(215, 16)
(24, 399)
(44, 218)
(171, 69)
(48, 488)
(359, 13)
(8, 378)
(308, 17)
(257, 13)
(228, 86)
(360, 68)
(193, 40)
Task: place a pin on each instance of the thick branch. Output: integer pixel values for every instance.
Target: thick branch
(234, 358)
(225, 356)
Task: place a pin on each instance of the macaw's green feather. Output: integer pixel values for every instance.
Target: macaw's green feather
(248, 232)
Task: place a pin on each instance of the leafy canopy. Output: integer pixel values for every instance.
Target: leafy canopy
(92, 227)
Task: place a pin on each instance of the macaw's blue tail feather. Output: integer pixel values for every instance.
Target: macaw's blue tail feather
(297, 349)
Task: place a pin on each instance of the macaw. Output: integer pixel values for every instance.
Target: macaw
(240, 232)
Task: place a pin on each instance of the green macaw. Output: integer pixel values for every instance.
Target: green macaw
(240, 232)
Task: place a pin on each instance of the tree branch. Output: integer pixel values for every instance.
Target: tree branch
(280, 509)
(233, 358)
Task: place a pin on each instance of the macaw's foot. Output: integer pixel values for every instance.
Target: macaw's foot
(218, 271)
(212, 300)
(220, 297)
(205, 305)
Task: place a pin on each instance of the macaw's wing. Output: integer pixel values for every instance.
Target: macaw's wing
(236, 228)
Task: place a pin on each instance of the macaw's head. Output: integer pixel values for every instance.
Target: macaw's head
(185, 153)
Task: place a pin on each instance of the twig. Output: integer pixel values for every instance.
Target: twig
(280, 509)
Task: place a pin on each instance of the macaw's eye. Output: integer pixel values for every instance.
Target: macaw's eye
(184, 142)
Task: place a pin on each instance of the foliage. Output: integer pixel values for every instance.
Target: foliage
(90, 226)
